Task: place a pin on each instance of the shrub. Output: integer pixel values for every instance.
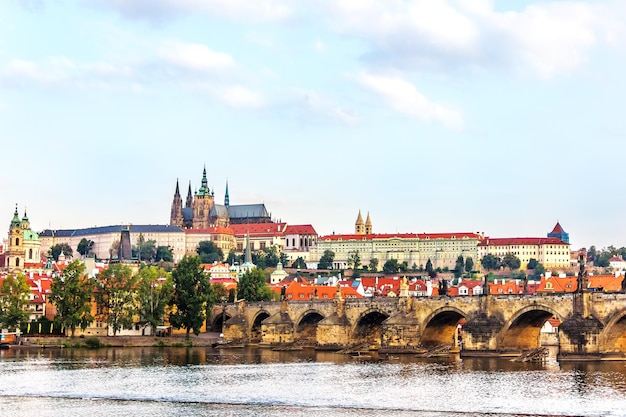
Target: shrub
(93, 343)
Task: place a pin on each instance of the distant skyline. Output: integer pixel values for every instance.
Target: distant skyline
(432, 115)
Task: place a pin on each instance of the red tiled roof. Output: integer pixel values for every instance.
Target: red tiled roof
(517, 241)
(217, 230)
(301, 229)
(421, 236)
(258, 229)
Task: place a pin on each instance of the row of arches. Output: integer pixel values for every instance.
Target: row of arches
(442, 326)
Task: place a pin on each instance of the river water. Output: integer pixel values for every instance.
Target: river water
(259, 382)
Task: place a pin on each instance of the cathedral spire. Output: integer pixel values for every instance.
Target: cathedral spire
(368, 225)
(204, 187)
(226, 197)
(16, 218)
(359, 226)
(177, 192)
(189, 202)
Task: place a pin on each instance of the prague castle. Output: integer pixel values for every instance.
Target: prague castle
(201, 211)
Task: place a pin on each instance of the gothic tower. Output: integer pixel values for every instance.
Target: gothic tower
(368, 225)
(203, 202)
(226, 197)
(176, 216)
(189, 202)
(15, 255)
(359, 226)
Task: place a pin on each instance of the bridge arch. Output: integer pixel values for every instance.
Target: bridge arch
(613, 337)
(306, 326)
(218, 321)
(255, 330)
(368, 329)
(440, 326)
(523, 329)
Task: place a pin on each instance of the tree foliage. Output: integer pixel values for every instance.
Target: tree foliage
(14, 298)
(209, 252)
(71, 294)
(115, 294)
(85, 246)
(373, 266)
(299, 263)
(469, 264)
(155, 289)
(490, 262)
(429, 269)
(55, 251)
(354, 260)
(511, 261)
(391, 266)
(253, 287)
(191, 294)
(326, 260)
(164, 253)
(459, 266)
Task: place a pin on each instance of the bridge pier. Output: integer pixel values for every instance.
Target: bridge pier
(400, 334)
(278, 329)
(480, 335)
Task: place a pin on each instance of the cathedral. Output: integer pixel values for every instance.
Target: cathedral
(24, 245)
(201, 212)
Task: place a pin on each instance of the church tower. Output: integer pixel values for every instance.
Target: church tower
(359, 226)
(176, 215)
(203, 202)
(15, 254)
(368, 225)
(189, 202)
(226, 197)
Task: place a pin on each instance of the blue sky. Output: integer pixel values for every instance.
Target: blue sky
(432, 115)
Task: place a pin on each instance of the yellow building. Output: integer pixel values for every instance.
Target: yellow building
(549, 251)
(442, 249)
(24, 247)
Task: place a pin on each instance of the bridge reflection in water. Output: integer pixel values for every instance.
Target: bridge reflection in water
(593, 325)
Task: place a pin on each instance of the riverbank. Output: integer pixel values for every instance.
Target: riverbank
(40, 342)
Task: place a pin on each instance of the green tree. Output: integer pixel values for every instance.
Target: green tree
(490, 262)
(391, 266)
(147, 251)
(155, 289)
(429, 269)
(85, 246)
(253, 287)
(511, 261)
(14, 299)
(326, 260)
(403, 266)
(164, 253)
(71, 294)
(191, 294)
(459, 266)
(209, 252)
(469, 264)
(354, 260)
(532, 263)
(271, 256)
(414, 267)
(299, 263)
(373, 266)
(233, 258)
(116, 296)
(55, 251)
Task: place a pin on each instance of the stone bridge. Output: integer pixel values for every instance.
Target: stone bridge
(593, 325)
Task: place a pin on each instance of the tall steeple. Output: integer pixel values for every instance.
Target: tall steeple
(204, 187)
(359, 226)
(368, 224)
(15, 223)
(226, 197)
(189, 202)
(176, 214)
(248, 258)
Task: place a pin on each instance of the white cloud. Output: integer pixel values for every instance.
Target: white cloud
(158, 10)
(403, 97)
(195, 57)
(319, 46)
(547, 38)
(238, 96)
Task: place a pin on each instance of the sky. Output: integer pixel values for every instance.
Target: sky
(434, 116)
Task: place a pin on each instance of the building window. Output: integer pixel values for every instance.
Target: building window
(30, 254)
(17, 261)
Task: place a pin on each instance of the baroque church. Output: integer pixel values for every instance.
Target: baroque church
(201, 212)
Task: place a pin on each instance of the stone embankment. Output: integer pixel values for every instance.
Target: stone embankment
(202, 340)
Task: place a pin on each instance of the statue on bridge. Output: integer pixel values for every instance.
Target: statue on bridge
(582, 280)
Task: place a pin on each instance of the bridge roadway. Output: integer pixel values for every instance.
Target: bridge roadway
(593, 324)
